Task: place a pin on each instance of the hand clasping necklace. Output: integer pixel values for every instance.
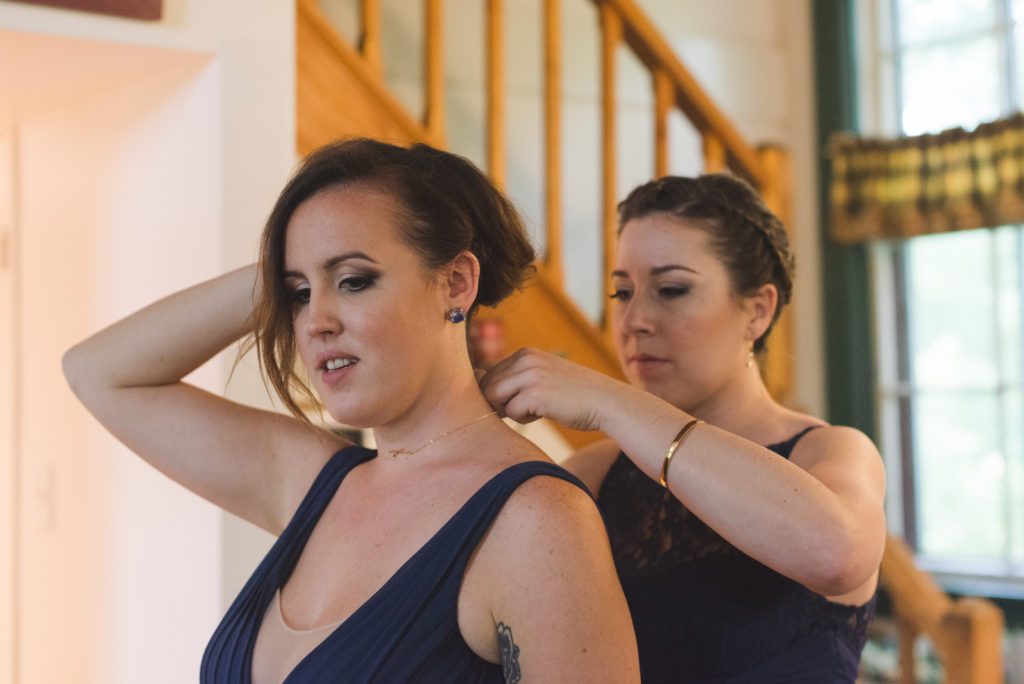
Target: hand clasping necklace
(410, 452)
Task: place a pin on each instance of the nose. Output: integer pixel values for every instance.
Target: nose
(320, 318)
(634, 316)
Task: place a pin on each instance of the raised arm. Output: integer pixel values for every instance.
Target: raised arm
(250, 462)
(816, 518)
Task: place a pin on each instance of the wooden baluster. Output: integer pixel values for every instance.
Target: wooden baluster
(906, 637)
(369, 42)
(553, 138)
(433, 60)
(714, 153)
(611, 37)
(496, 91)
(777, 191)
(663, 100)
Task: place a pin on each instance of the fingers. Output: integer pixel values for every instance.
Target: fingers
(510, 386)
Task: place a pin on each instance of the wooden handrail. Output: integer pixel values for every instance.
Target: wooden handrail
(966, 634)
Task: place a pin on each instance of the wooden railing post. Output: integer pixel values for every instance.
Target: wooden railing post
(496, 91)
(777, 364)
(433, 59)
(663, 99)
(714, 153)
(611, 37)
(553, 139)
(369, 40)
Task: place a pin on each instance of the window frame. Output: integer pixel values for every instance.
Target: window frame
(879, 107)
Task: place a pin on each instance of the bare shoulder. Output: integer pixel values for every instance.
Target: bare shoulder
(826, 441)
(542, 502)
(547, 521)
(592, 462)
(843, 458)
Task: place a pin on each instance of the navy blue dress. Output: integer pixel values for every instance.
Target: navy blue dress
(406, 632)
(706, 612)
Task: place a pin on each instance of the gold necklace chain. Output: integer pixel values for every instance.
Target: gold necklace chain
(410, 452)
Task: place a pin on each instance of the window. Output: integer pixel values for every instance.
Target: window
(949, 307)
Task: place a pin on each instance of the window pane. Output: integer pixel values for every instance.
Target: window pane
(955, 84)
(926, 20)
(959, 476)
(950, 299)
(1008, 251)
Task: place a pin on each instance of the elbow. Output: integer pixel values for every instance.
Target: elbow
(75, 366)
(844, 566)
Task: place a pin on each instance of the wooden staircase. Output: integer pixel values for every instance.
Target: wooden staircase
(341, 91)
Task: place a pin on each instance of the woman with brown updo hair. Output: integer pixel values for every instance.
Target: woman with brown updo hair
(747, 535)
(454, 552)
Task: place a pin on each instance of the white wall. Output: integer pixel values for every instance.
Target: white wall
(146, 157)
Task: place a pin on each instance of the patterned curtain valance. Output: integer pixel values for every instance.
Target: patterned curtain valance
(925, 184)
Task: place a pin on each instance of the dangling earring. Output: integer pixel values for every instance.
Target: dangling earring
(750, 358)
(457, 315)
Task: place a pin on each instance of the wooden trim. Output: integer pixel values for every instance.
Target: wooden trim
(147, 10)
(611, 38)
(496, 91)
(553, 139)
(433, 116)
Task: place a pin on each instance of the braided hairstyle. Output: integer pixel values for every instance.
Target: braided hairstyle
(745, 235)
(445, 205)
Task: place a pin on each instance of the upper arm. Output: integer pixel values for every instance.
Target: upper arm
(556, 601)
(256, 464)
(847, 463)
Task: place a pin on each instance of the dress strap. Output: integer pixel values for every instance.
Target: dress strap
(785, 448)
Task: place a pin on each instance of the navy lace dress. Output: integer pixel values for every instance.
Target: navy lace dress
(706, 612)
(406, 632)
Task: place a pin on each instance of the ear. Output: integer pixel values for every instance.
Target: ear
(462, 277)
(761, 307)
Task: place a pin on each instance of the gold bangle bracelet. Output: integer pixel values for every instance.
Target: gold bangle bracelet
(674, 446)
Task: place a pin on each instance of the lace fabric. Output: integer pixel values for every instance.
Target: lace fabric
(705, 611)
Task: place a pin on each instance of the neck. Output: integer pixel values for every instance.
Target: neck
(447, 411)
(743, 407)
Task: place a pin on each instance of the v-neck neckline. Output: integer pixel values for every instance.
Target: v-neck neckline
(381, 591)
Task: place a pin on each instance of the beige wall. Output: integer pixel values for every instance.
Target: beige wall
(142, 157)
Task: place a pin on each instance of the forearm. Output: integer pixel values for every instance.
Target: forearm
(765, 505)
(168, 339)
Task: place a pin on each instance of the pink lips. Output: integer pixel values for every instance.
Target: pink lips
(333, 377)
(646, 362)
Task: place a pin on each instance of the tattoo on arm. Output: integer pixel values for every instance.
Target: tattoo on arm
(509, 654)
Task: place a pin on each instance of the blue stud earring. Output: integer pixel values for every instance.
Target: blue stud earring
(457, 315)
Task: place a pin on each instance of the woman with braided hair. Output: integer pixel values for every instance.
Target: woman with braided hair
(747, 535)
